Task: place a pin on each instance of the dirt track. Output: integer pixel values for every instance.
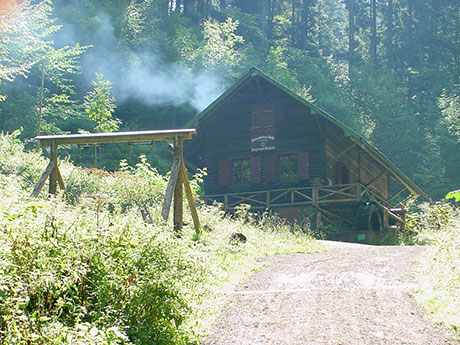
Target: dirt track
(351, 294)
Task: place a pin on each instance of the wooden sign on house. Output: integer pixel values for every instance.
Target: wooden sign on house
(266, 146)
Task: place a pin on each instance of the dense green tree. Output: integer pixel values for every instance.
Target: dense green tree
(33, 64)
(99, 104)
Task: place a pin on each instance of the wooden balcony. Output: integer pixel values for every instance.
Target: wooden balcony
(318, 197)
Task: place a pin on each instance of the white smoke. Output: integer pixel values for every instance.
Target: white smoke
(142, 76)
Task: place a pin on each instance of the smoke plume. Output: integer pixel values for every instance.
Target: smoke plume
(141, 75)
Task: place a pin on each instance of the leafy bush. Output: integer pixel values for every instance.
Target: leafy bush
(439, 269)
(94, 272)
(14, 161)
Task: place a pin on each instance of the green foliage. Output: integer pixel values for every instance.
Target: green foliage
(455, 194)
(28, 55)
(450, 109)
(99, 104)
(14, 161)
(439, 269)
(219, 44)
(96, 272)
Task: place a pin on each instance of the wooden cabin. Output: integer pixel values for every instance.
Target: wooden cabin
(266, 146)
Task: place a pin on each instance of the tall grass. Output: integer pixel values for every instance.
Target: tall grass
(97, 272)
(438, 276)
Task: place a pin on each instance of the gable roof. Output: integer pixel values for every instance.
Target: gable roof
(354, 136)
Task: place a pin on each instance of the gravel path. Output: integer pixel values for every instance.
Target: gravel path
(350, 294)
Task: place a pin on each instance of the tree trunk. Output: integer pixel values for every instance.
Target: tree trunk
(188, 7)
(351, 35)
(374, 32)
(293, 23)
(389, 38)
(203, 7)
(457, 45)
(303, 25)
(40, 110)
(271, 14)
(263, 17)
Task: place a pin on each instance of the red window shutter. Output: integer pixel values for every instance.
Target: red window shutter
(256, 169)
(224, 172)
(271, 166)
(304, 165)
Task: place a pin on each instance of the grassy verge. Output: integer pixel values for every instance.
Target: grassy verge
(98, 272)
(439, 269)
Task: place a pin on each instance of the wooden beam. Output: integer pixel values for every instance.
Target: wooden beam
(41, 182)
(336, 216)
(61, 184)
(178, 191)
(53, 175)
(336, 158)
(397, 194)
(383, 173)
(170, 188)
(116, 137)
(191, 200)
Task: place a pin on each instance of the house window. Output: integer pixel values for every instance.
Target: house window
(288, 168)
(241, 172)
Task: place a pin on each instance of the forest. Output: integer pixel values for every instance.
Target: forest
(388, 69)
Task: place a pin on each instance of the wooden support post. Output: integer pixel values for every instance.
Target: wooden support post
(178, 191)
(383, 173)
(315, 203)
(170, 188)
(190, 199)
(336, 158)
(226, 202)
(42, 180)
(267, 199)
(318, 218)
(61, 183)
(396, 194)
(358, 192)
(315, 196)
(53, 175)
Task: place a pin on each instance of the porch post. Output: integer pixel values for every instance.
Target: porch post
(315, 203)
(54, 174)
(178, 193)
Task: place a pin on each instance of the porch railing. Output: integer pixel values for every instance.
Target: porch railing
(315, 196)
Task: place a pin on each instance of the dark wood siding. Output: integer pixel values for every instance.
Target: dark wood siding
(360, 166)
(256, 169)
(304, 165)
(228, 134)
(224, 172)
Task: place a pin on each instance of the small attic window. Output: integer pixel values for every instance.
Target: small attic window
(263, 128)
